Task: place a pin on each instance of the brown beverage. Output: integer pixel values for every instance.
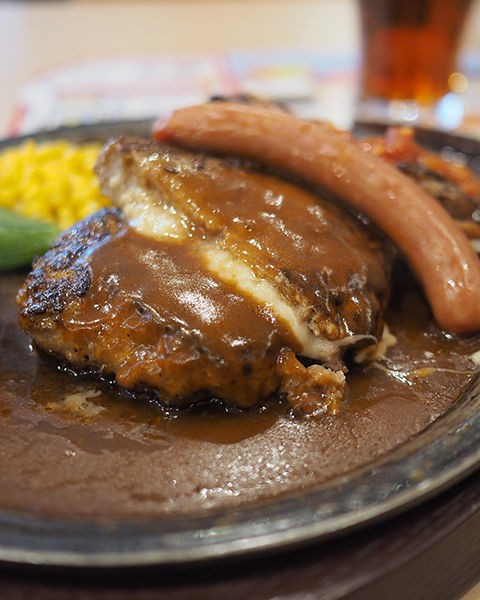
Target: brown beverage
(409, 47)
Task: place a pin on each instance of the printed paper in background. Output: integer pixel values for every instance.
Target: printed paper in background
(142, 87)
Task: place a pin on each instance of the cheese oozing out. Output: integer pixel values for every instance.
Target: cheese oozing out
(158, 220)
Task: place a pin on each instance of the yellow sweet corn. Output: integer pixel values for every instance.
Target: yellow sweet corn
(51, 181)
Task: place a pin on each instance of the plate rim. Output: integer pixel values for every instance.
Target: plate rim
(447, 454)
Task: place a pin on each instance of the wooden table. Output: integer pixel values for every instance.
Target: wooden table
(429, 552)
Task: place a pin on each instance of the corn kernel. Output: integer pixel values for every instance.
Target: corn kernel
(52, 181)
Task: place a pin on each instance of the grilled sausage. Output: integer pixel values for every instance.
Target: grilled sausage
(434, 246)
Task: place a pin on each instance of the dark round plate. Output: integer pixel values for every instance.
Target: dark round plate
(436, 458)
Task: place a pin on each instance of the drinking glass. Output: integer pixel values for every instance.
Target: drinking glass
(409, 59)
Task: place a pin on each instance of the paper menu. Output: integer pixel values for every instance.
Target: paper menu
(116, 88)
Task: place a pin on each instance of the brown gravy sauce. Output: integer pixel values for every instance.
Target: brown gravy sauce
(73, 446)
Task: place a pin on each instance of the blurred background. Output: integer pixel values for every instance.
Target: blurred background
(75, 61)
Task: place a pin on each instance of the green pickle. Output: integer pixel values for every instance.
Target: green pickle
(22, 239)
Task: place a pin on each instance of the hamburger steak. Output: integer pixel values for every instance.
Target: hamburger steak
(210, 279)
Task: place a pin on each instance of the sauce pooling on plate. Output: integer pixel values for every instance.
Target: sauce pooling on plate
(76, 446)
